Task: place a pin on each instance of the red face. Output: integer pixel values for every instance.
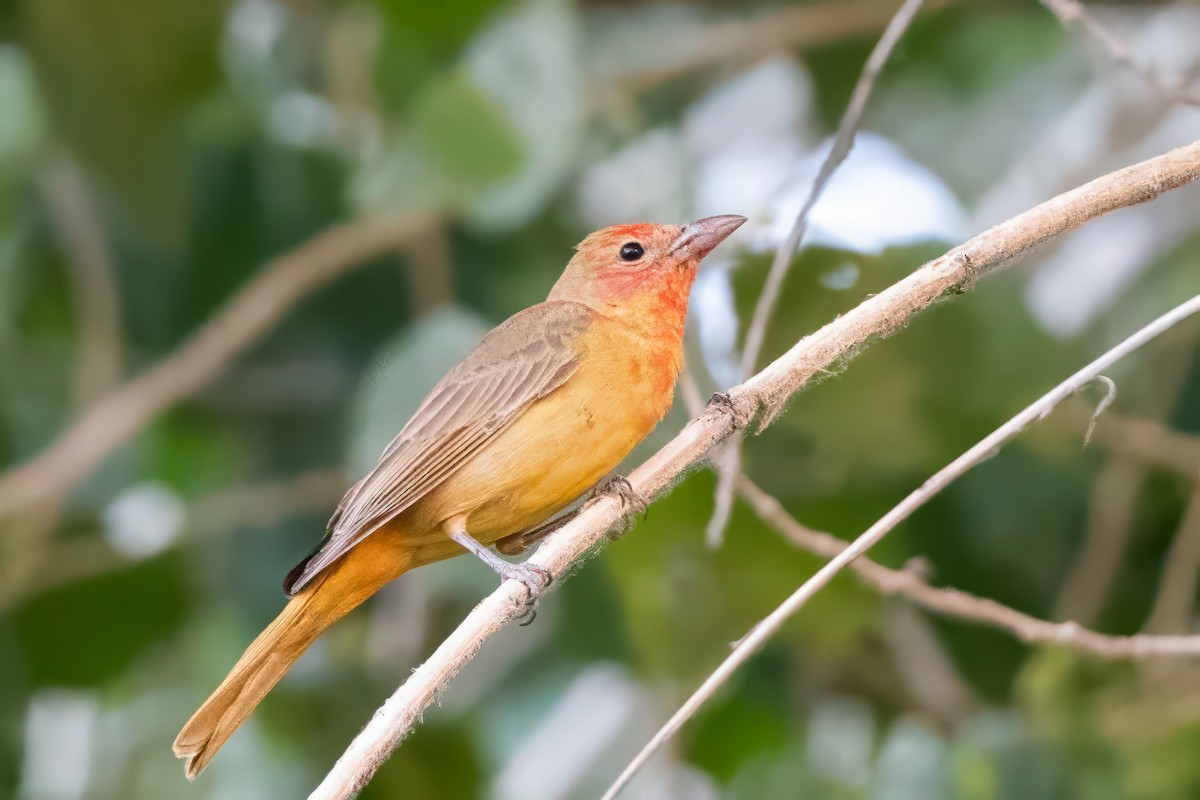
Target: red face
(623, 262)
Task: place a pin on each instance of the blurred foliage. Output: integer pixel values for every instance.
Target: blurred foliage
(212, 137)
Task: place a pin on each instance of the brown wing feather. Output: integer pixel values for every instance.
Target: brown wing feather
(522, 360)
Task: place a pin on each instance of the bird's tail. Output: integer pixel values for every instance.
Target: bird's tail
(320, 604)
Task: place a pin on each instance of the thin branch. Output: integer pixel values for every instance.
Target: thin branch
(99, 355)
(842, 144)
(959, 604)
(254, 310)
(1135, 446)
(1150, 442)
(767, 392)
(728, 464)
(752, 38)
(1110, 394)
(1073, 13)
(220, 513)
(1112, 511)
(1175, 604)
(977, 454)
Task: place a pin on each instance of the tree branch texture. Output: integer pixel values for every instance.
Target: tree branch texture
(127, 410)
(757, 401)
(976, 455)
(729, 464)
(1072, 13)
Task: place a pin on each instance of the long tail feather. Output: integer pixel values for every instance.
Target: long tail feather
(271, 655)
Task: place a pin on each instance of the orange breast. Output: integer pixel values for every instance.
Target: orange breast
(567, 441)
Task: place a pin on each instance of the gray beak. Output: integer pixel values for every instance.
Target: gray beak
(700, 237)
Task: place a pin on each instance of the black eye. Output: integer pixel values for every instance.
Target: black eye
(632, 251)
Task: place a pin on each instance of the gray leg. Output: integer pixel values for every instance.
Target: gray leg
(534, 577)
(516, 543)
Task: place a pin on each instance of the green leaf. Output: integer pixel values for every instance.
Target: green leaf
(87, 633)
(467, 135)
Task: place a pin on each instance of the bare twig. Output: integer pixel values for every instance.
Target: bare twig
(99, 349)
(1110, 394)
(1073, 13)
(978, 453)
(961, 605)
(1151, 442)
(1175, 604)
(768, 391)
(1112, 509)
(746, 40)
(842, 144)
(1135, 446)
(219, 513)
(728, 463)
(125, 412)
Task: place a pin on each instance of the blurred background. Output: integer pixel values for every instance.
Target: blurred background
(156, 154)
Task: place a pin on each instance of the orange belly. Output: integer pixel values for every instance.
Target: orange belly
(560, 447)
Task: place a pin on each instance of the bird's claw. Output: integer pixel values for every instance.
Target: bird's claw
(632, 503)
(536, 579)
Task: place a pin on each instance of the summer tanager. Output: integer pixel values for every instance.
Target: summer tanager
(540, 411)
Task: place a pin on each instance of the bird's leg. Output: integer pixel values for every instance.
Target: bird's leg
(534, 577)
(631, 502)
(516, 543)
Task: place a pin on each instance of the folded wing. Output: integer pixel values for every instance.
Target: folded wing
(524, 359)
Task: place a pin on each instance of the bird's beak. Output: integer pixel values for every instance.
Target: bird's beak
(700, 237)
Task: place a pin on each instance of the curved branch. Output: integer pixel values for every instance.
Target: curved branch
(763, 395)
(728, 464)
(126, 411)
(976, 455)
(961, 605)
(1072, 13)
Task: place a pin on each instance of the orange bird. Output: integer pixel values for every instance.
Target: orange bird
(540, 411)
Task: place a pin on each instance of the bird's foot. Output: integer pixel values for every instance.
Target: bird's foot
(632, 503)
(536, 579)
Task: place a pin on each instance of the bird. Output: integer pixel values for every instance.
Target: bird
(543, 409)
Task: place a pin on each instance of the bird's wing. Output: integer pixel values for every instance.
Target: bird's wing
(521, 361)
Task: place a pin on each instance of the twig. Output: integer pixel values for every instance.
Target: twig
(728, 464)
(1134, 445)
(1112, 509)
(99, 349)
(220, 513)
(978, 453)
(962, 605)
(1175, 604)
(126, 411)
(842, 144)
(746, 40)
(1151, 442)
(1110, 394)
(1072, 13)
(768, 391)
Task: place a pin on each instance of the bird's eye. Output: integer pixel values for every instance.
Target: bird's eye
(632, 251)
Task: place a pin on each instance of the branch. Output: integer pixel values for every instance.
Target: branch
(254, 310)
(223, 512)
(842, 144)
(749, 39)
(1073, 13)
(977, 454)
(99, 353)
(729, 463)
(959, 604)
(1175, 605)
(1150, 442)
(768, 391)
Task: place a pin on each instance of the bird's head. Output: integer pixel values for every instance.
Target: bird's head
(617, 264)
